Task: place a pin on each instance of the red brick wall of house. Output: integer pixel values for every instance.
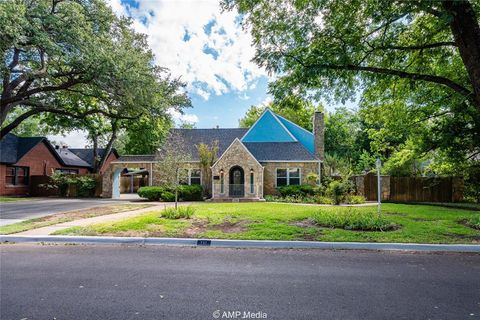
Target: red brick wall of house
(40, 160)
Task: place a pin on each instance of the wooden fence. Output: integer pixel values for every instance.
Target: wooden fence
(411, 189)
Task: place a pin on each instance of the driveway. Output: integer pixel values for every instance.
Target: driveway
(16, 211)
(134, 282)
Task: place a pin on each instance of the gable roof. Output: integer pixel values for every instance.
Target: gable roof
(304, 136)
(193, 137)
(279, 151)
(13, 148)
(236, 141)
(86, 154)
(268, 128)
(71, 159)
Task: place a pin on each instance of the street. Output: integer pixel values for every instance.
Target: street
(16, 211)
(154, 282)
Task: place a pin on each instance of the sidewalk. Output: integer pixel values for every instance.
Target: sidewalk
(45, 231)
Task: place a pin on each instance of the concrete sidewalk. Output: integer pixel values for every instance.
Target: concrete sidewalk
(45, 231)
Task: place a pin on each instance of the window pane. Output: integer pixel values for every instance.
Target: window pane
(10, 171)
(281, 173)
(21, 180)
(294, 172)
(195, 173)
(20, 171)
(281, 182)
(195, 180)
(9, 180)
(294, 181)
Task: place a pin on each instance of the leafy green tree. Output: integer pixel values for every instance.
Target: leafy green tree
(421, 58)
(75, 58)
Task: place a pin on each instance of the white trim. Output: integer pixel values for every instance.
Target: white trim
(275, 117)
(236, 139)
(189, 175)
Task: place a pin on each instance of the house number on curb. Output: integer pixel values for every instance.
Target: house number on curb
(204, 242)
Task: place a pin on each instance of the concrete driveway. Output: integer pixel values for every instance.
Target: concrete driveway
(16, 211)
(134, 282)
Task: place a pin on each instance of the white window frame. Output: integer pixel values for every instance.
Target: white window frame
(288, 174)
(189, 175)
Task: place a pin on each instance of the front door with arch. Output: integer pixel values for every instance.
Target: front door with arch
(237, 182)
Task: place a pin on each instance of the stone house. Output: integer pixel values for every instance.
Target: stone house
(251, 162)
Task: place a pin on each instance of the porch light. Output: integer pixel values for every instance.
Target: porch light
(251, 170)
(221, 171)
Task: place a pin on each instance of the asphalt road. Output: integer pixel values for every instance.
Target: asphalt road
(118, 282)
(28, 209)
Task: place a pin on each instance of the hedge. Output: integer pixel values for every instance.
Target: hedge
(165, 193)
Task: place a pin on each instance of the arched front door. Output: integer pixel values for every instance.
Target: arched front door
(237, 181)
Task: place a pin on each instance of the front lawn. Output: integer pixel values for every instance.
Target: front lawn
(275, 221)
(68, 216)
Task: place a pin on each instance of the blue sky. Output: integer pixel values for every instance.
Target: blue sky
(207, 49)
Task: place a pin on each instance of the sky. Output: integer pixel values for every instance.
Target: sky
(208, 49)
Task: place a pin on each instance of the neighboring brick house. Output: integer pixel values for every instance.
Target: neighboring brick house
(23, 157)
(251, 162)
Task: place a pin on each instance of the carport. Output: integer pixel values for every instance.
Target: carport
(129, 165)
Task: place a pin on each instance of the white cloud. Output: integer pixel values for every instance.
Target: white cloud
(167, 22)
(74, 139)
(186, 117)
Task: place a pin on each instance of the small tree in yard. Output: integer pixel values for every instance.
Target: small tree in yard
(208, 155)
(173, 161)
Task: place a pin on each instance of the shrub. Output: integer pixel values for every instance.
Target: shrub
(296, 190)
(86, 186)
(352, 199)
(180, 212)
(151, 193)
(312, 178)
(336, 190)
(167, 196)
(473, 222)
(352, 219)
(190, 193)
(323, 200)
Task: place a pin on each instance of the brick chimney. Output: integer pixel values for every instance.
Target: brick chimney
(319, 134)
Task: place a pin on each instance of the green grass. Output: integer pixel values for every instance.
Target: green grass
(417, 223)
(68, 216)
(10, 199)
(354, 219)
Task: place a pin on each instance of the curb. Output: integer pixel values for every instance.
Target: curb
(273, 244)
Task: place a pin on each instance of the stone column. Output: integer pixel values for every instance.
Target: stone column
(319, 134)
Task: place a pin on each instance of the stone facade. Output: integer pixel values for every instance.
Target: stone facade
(270, 175)
(116, 168)
(237, 156)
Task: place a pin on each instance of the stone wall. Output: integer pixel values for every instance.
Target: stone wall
(109, 172)
(270, 182)
(238, 155)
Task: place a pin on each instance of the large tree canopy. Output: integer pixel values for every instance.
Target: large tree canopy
(75, 59)
(422, 57)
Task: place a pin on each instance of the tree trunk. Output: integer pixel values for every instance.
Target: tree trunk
(95, 152)
(109, 146)
(466, 32)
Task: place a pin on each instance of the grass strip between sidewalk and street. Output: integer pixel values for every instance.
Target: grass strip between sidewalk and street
(13, 199)
(69, 216)
(400, 223)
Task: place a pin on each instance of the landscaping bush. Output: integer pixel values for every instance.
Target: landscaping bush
(167, 196)
(190, 193)
(336, 190)
(352, 199)
(151, 193)
(296, 190)
(323, 200)
(164, 193)
(352, 219)
(86, 186)
(180, 212)
(473, 222)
